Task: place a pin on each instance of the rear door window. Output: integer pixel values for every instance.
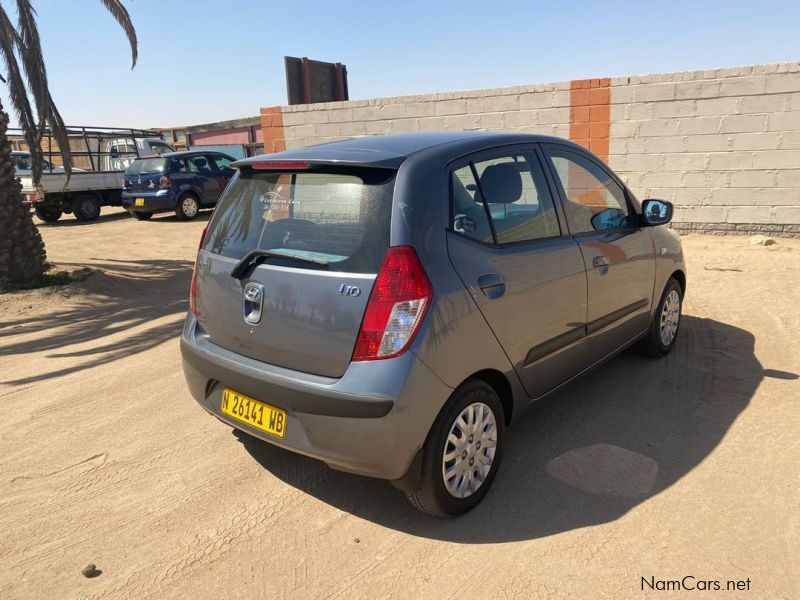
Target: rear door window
(219, 162)
(340, 217)
(519, 201)
(198, 164)
(177, 165)
(512, 191)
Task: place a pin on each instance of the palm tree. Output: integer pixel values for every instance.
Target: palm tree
(23, 260)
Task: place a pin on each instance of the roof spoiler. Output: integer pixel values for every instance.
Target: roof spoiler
(311, 158)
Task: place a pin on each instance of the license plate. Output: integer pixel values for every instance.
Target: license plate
(259, 415)
(139, 202)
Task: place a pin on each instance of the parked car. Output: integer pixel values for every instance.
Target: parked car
(22, 164)
(390, 304)
(183, 182)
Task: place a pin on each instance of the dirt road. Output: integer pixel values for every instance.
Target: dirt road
(687, 466)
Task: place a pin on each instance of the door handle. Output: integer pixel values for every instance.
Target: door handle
(492, 285)
(601, 264)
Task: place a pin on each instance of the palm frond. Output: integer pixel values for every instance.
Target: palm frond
(21, 50)
(10, 42)
(120, 13)
(59, 132)
(36, 74)
(33, 60)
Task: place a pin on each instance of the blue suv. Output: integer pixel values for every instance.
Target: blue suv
(183, 182)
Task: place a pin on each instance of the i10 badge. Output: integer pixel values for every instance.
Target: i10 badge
(349, 290)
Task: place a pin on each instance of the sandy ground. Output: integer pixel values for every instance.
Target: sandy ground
(688, 466)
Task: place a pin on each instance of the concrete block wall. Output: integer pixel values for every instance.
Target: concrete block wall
(534, 108)
(722, 144)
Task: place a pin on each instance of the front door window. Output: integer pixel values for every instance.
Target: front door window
(595, 202)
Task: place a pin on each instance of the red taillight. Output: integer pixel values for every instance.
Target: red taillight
(193, 289)
(286, 165)
(397, 304)
(164, 182)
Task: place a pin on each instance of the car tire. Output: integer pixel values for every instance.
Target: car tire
(86, 208)
(140, 215)
(666, 321)
(439, 496)
(188, 207)
(48, 214)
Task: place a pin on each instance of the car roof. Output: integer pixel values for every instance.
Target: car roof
(390, 151)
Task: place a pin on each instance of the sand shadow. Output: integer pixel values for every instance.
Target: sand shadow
(585, 456)
(162, 217)
(170, 217)
(130, 294)
(103, 218)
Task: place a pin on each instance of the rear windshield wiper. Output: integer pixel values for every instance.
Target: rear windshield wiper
(254, 257)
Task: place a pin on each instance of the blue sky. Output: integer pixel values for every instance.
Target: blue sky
(204, 60)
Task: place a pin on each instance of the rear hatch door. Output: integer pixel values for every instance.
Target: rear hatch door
(144, 174)
(304, 311)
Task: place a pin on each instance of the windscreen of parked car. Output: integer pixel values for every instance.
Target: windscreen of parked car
(147, 166)
(340, 217)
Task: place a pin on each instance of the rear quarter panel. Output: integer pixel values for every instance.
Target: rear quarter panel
(187, 182)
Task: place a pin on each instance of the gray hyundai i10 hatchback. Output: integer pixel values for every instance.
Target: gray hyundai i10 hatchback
(389, 304)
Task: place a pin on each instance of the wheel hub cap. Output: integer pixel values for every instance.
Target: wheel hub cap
(189, 207)
(469, 451)
(670, 315)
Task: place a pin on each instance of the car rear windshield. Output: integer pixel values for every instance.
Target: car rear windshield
(147, 166)
(339, 218)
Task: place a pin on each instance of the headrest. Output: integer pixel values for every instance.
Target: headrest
(502, 183)
(200, 162)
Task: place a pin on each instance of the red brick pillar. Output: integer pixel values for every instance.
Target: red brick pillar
(272, 129)
(590, 114)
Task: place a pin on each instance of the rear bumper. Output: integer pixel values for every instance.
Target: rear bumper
(160, 200)
(371, 421)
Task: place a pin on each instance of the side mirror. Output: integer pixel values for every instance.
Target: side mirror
(657, 212)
